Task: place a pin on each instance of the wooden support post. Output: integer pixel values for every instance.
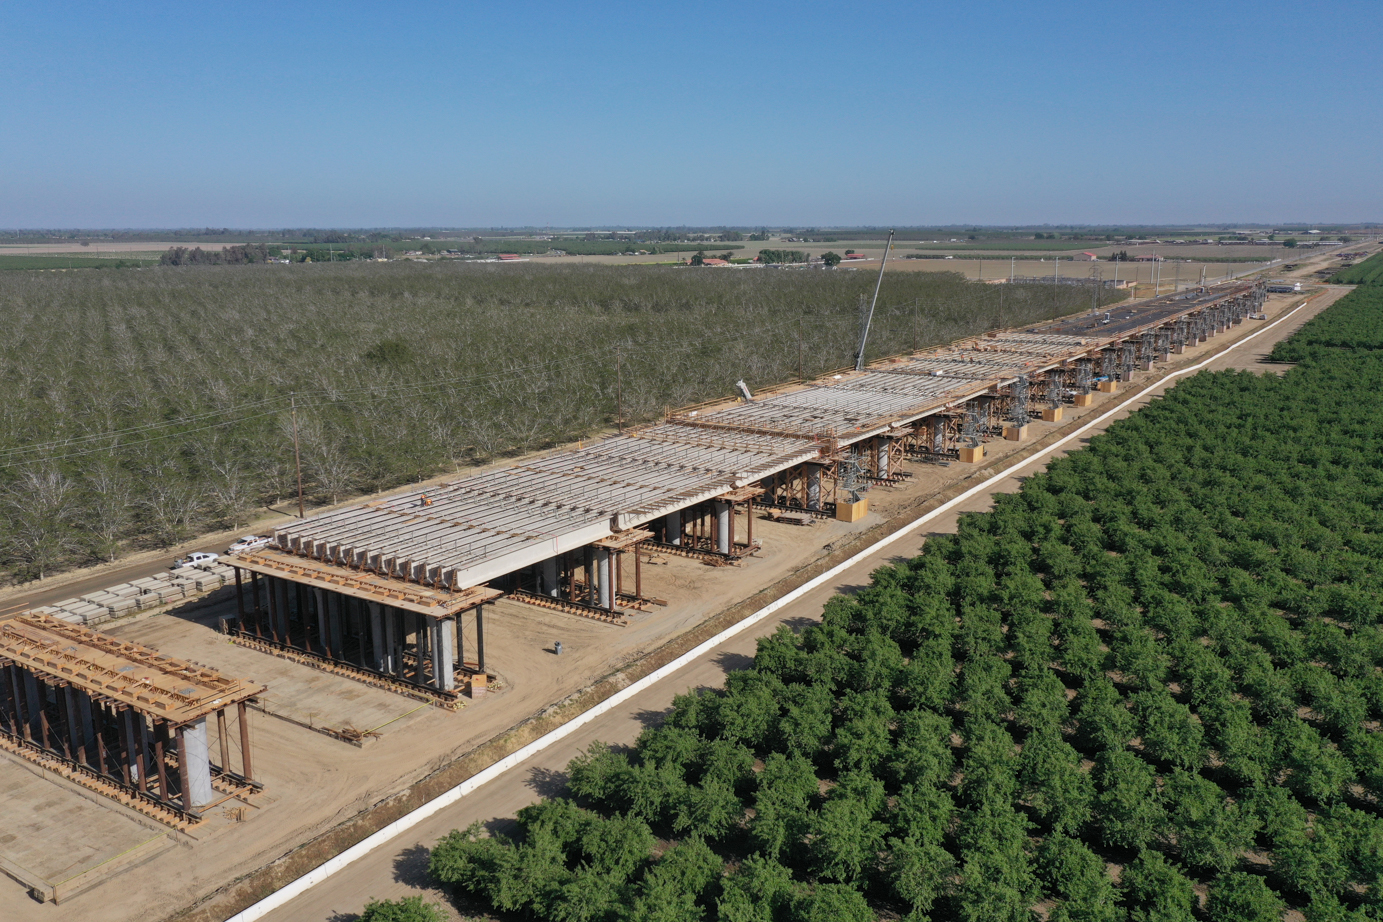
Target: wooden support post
(161, 737)
(239, 598)
(12, 718)
(125, 726)
(244, 741)
(254, 599)
(480, 636)
(457, 659)
(97, 713)
(749, 522)
(300, 591)
(45, 731)
(638, 571)
(273, 609)
(221, 734)
(69, 742)
(142, 748)
(460, 638)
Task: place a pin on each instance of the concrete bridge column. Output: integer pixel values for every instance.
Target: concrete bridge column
(197, 773)
(336, 619)
(391, 641)
(549, 578)
(444, 654)
(34, 698)
(605, 583)
(130, 744)
(376, 636)
(673, 522)
(725, 525)
(324, 623)
(813, 473)
(588, 556)
(281, 590)
(88, 726)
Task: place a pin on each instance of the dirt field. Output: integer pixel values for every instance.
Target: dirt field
(314, 783)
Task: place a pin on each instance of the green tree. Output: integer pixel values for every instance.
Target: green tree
(758, 891)
(782, 804)
(1041, 699)
(1129, 807)
(920, 873)
(1210, 832)
(408, 909)
(1170, 732)
(997, 883)
(1240, 897)
(921, 750)
(1103, 721)
(674, 888)
(830, 259)
(1078, 876)
(845, 839)
(1155, 890)
(830, 903)
(1290, 242)
(1316, 768)
(1049, 772)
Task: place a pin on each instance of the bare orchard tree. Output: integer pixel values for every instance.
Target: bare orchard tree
(274, 472)
(41, 507)
(172, 510)
(325, 462)
(108, 510)
(231, 490)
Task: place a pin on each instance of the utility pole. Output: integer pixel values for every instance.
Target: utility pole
(1056, 280)
(619, 391)
(297, 456)
(864, 336)
(1011, 261)
(800, 376)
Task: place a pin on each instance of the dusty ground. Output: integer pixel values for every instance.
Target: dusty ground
(314, 783)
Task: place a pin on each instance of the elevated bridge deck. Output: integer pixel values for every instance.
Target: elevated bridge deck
(480, 528)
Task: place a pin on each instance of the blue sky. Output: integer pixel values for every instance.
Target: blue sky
(457, 114)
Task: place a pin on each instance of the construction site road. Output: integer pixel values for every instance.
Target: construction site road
(398, 868)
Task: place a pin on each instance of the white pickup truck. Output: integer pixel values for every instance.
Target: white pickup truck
(248, 543)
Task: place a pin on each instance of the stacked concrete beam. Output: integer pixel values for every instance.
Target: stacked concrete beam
(144, 594)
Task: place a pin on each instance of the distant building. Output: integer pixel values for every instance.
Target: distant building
(509, 256)
(714, 262)
(1089, 257)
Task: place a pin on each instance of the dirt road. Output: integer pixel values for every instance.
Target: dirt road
(399, 868)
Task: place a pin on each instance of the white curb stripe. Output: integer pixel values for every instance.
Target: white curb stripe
(362, 848)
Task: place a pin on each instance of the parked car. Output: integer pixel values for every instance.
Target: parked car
(195, 558)
(248, 543)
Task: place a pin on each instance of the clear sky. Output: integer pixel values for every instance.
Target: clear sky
(251, 114)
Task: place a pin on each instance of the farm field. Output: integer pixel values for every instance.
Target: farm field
(1368, 272)
(141, 408)
(64, 262)
(1145, 683)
